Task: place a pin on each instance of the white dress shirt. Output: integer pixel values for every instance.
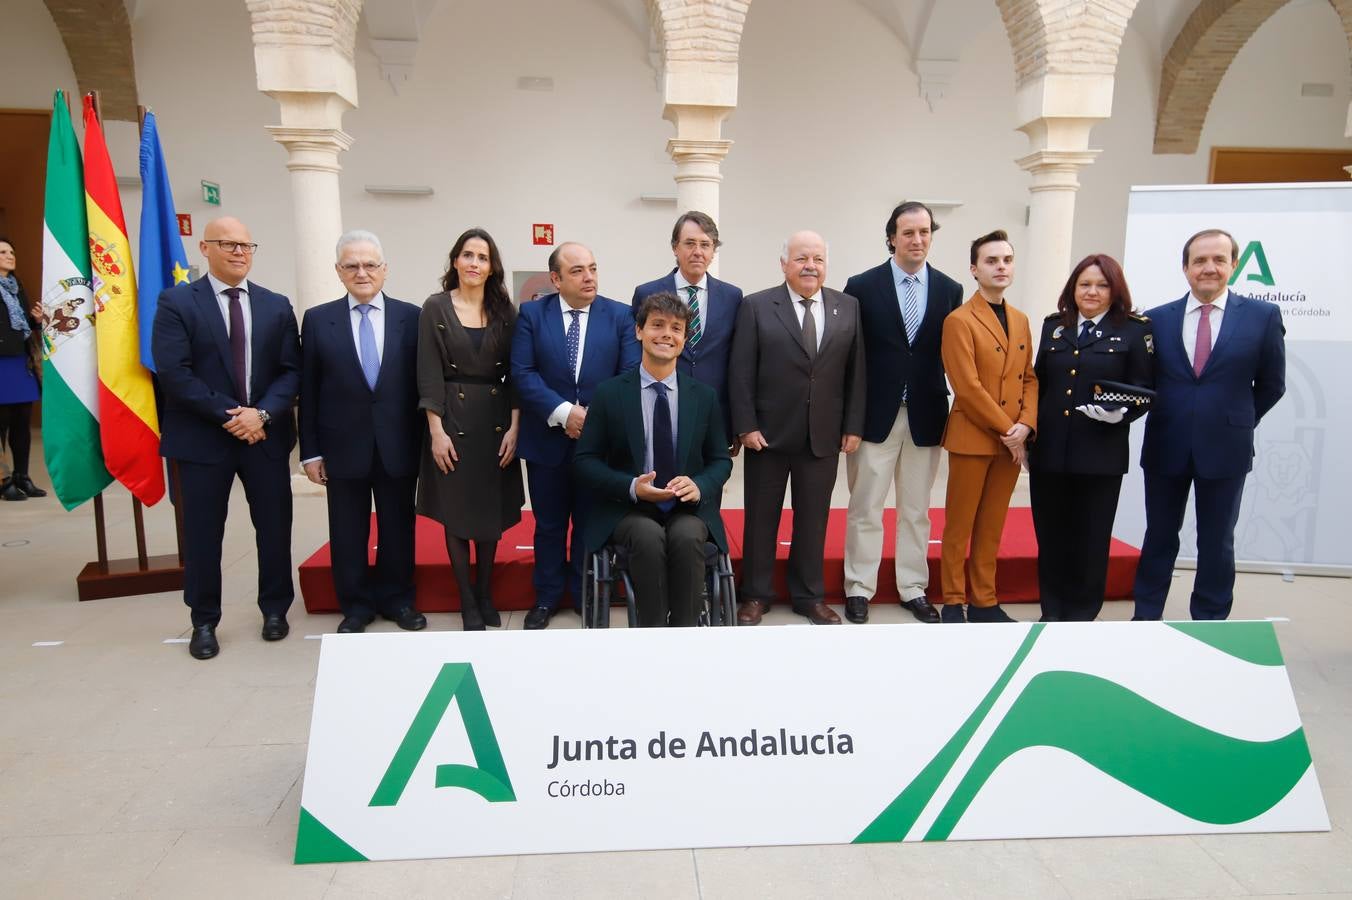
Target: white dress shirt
(818, 314)
(1192, 317)
(377, 317)
(701, 297)
(559, 416)
(1080, 320)
(224, 303)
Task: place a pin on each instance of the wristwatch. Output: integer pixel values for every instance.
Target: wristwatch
(265, 416)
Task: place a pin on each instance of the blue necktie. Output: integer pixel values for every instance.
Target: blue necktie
(366, 344)
(664, 444)
(574, 341)
(1085, 329)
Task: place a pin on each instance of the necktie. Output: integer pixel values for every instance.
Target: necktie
(910, 309)
(574, 340)
(237, 344)
(809, 329)
(1202, 351)
(366, 344)
(664, 444)
(1085, 329)
(696, 326)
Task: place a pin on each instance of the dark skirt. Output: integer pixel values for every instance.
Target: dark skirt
(17, 383)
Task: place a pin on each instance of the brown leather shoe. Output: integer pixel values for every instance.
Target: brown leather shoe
(821, 614)
(749, 612)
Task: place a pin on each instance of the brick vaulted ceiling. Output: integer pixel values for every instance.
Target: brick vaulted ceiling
(97, 34)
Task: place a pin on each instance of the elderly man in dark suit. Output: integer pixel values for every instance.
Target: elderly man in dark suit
(360, 433)
(796, 384)
(564, 345)
(902, 306)
(228, 361)
(713, 305)
(1220, 365)
(654, 453)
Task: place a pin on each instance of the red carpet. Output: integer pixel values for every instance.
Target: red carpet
(1016, 577)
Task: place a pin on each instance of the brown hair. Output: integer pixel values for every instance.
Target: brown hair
(1117, 287)
(996, 235)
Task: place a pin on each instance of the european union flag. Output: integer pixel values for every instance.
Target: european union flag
(163, 263)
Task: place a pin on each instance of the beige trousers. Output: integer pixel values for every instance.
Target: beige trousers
(870, 471)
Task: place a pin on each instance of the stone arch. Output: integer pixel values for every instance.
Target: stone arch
(1199, 58)
(705, 31)
(325, 24)
(1065, 37)
(97, 35)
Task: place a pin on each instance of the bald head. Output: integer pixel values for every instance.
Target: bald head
(228, 248)
(803, 260)
(572, 269)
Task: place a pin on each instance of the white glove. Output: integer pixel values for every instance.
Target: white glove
(1099, 414)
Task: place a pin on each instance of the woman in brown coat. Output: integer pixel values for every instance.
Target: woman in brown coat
(470, 479)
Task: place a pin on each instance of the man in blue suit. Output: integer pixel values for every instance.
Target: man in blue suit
(228, 362)
(713, 303)
(360, 433)
(902, 307)
(1220, 366)
(564, 345)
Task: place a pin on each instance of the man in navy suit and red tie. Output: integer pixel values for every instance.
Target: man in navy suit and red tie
(360, 433)
(565, 344)
(713, 305)
(1220, 365)
(228, 360)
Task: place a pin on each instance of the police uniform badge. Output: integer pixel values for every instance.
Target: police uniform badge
(1056, 335)
(1150, 344)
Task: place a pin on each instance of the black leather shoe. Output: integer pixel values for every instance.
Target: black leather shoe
(492, 618)
(538, 618)
(409, 619)
(26, 485)
(922, 610)
(987, 614)
(203, 644)
(856, 609)
(952, 612)
(275, 627)
(10, 491)
(352, 625)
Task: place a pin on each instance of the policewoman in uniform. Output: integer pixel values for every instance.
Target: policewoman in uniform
(1095, 370)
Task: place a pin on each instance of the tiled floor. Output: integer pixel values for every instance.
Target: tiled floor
(129, 769)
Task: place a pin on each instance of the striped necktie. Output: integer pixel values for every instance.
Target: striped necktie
(696, 325)
(910, 309)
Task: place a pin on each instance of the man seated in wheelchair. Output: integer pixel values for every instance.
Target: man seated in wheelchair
(654, 455)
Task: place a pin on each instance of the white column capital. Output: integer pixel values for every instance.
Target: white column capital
(311, 149)
(1056, 170)
(696, 151)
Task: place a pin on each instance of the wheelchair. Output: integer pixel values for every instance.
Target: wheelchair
(606, 573)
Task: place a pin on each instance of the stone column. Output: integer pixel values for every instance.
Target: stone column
(698, 152)
(1057, 112)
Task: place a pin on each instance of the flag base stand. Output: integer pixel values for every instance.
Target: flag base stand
(145, 574)
(126, 577)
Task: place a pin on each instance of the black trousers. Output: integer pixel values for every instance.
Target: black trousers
(768, 472)
(666, 564)
(1073, 518)
(206, 501)
(387, 587)
(557, 501)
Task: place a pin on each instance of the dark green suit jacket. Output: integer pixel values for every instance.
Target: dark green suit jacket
(611, 449)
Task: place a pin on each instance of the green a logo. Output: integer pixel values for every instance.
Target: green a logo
(487, 777)
(1264, 273)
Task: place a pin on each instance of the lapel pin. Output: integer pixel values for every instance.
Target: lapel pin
(1098, 334)
(835, 311)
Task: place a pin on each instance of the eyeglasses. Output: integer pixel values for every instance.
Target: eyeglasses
(354, 268)
(233, 246)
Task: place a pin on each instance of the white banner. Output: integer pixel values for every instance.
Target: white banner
(450, 744)
(1293, 244)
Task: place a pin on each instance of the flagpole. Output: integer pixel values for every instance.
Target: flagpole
(118, 578)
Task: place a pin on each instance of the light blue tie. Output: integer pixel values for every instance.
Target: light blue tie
(910, 319)
(366, 344)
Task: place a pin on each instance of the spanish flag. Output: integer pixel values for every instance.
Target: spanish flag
(128, 423)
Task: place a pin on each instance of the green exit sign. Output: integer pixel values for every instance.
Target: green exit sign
(211, 193)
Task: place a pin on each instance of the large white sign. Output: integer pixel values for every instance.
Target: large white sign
(1293, 245)
(450, 744)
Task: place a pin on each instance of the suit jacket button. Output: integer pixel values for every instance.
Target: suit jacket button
(1077, 352)
(1065, 412)
(461, 395)
(1072, 371)
(493, 391)
(1067, 392)
(498, 429)
(1002, 403)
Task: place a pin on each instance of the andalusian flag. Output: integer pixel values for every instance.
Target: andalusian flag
(163, 263)
(70, 374)
(128, 422)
